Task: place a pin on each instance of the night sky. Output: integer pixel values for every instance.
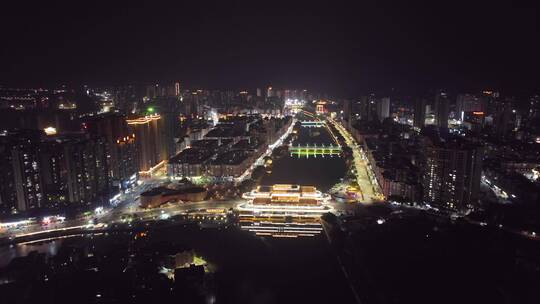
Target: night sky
(341, 49)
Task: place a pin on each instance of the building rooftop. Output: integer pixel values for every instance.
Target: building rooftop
(245, 144)
(208, 144)
(234, 157)
(192, 156)
(226, 130)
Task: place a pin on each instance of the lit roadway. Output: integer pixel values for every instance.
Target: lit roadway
(128, 208)
(369, 191)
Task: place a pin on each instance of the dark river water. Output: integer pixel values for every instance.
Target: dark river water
(321, 171)
(253, 269)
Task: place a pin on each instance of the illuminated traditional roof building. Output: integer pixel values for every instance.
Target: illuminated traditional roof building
(285, 200)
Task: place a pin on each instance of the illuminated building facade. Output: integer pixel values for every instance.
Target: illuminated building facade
(283, 200)
(282, 229)
(320, 107)
(150, 149)
(161, 195)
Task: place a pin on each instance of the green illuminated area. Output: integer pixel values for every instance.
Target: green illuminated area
(313, 123)
(200, 180)
(308, 154)
(314, 150)
(199, 261)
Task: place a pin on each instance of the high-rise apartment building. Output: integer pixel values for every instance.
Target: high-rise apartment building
(383, 108)
(21, 176)
(192, 106)
(74, 169)
(419, 113)
(169, 109)
(368, 108)
(442, 110)
(347, 112)
(502, 118)
(8, 195)
(86, 165)
(39, 171)
(150, 148)
(469, 103)
(452, 173)
(121, 147)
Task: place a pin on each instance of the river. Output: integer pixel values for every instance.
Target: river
(321, 171)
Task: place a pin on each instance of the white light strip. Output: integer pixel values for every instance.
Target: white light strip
(48, 231)
(270, 227)
(286, 210)
(59, 237)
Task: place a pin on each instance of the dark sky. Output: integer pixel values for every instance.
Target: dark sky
(342, 49)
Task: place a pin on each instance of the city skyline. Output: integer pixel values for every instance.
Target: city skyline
(340, 49)
(266, 152)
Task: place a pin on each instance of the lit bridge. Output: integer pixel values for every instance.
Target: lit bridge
(313, 123)
(314, 150)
